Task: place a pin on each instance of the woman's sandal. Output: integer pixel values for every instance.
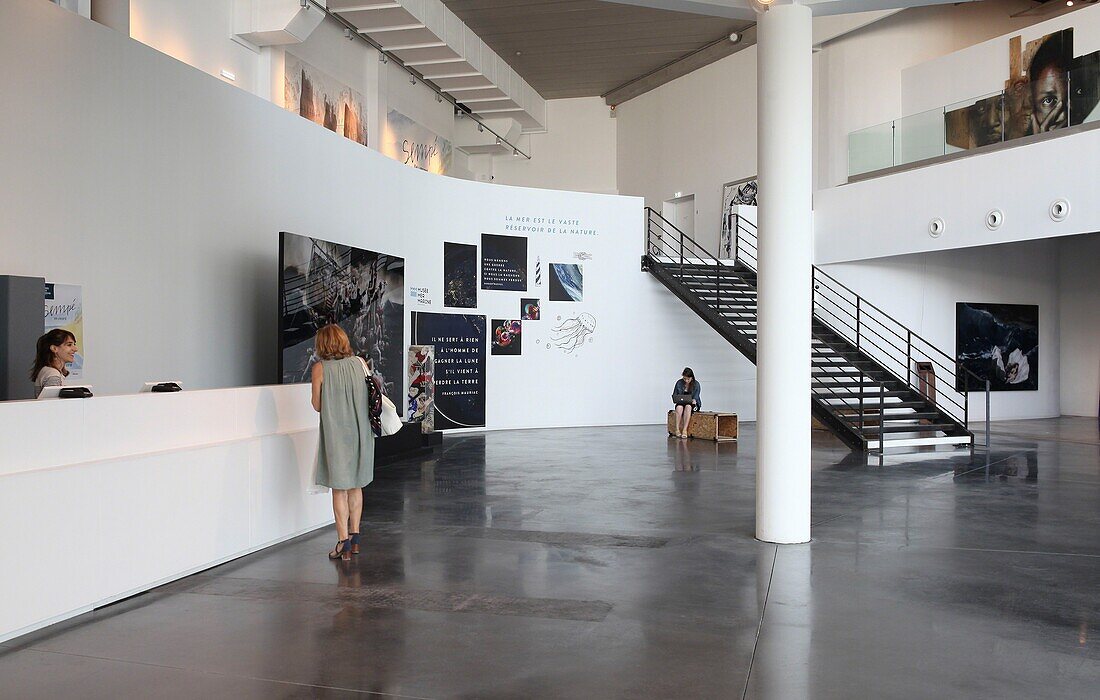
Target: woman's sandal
(342, 551)
(354, 536)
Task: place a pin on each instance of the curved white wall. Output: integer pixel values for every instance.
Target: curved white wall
(162, 190)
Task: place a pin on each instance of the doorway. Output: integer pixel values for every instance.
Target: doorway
(681, 212)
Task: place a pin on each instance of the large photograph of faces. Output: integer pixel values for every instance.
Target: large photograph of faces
(998, 342)
(362, 291)
(1048, 88)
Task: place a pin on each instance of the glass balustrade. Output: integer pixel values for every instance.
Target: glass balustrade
(1022, 109)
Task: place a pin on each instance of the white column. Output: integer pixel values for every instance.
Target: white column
(785, 98)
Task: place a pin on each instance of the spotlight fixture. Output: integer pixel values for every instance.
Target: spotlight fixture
(515, 151)
(498, 141)
(761, 5)
(305, 4)
(735, 38)
(347, 33)
(1069, 3)
(383, 59)
(481, 127)
(412, 80)
(439, 98)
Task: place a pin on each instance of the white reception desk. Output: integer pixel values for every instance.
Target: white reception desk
(106, 497)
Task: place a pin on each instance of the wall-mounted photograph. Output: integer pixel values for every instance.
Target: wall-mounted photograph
(566, 282)
(323, 100)
(998, 342)
(360, 290)
(735, 194)
(507, 337)
(460, 275)
(530, 310)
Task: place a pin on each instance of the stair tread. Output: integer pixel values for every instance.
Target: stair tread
(890, 417)
(931, 427)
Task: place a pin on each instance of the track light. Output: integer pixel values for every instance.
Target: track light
(347, 33)
(305, 4)
(383, 59)
(515, 151)
(412, 80)
(481, 127)
(439, 98)
(498, 141)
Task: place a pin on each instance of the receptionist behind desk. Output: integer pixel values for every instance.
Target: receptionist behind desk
(55, 350)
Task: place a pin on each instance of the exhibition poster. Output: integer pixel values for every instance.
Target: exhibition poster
(503, 263)
(361, 291)
(459, 342)
(421, 405)
(410, 143)
(65, 310)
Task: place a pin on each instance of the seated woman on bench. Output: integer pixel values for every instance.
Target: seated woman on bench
(686, 397)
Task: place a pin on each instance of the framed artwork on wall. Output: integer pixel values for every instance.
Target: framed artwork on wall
(998, 343)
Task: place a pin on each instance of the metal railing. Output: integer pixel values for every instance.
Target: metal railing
(883, 339)
(886, 342)
(667, 244)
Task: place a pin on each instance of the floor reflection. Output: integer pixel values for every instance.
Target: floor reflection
(616, 562)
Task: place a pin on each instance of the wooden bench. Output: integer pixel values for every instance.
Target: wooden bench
(708, 425)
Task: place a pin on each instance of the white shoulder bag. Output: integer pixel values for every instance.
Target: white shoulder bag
(391, 421)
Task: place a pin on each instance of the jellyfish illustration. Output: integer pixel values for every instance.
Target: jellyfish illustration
(572, 332)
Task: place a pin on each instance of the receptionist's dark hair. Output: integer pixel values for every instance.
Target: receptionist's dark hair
(43, 355)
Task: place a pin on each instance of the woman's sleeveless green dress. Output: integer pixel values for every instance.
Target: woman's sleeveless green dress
(345, 450)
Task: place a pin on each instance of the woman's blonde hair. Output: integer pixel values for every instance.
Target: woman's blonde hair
(332, 343)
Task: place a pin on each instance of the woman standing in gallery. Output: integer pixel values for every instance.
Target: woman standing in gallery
(686, 396)
(345, 447)
(55, 350)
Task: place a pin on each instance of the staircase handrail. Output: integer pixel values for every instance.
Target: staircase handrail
(686, 238)
(870, 318)
(743, 225)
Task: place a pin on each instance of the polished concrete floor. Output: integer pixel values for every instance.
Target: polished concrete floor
(616, 563)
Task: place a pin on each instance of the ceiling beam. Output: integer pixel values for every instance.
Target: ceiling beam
(743, 9)
(715, 51)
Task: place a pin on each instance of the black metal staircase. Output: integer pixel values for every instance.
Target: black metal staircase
(875, 383)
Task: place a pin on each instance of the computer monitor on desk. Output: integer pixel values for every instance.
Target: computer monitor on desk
(162, 387)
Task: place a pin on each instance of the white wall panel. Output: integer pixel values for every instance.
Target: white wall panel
(923, 291)
(161, 504)
(1079, 305)
(175, 186)
(890, 215)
